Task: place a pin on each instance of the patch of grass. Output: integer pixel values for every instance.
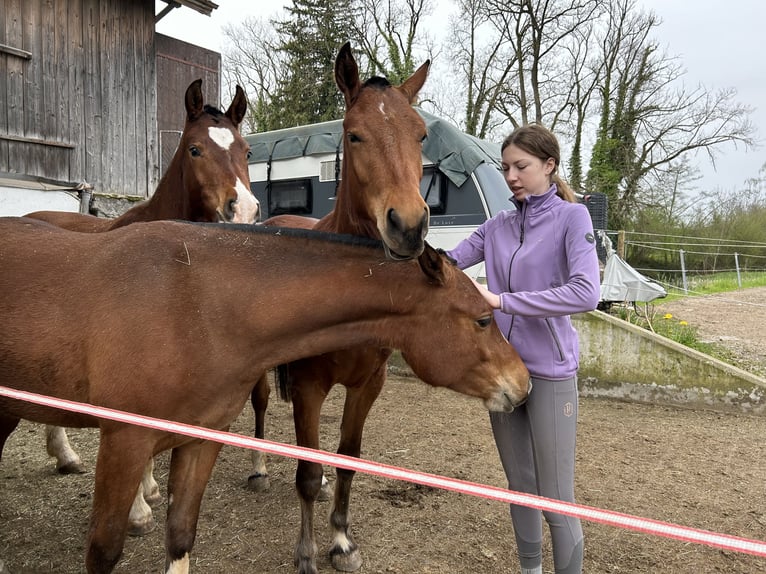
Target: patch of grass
(671, 328)
(680, 331)
(716, 283)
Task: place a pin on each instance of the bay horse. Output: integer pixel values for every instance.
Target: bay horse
(193, 310)
(378, 196)
(207, 180)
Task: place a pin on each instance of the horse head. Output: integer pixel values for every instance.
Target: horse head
(212, 161)
(382, 159)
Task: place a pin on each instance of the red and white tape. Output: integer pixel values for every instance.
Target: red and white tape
(627, 521)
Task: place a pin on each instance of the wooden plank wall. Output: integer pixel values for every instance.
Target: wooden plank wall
(78, 96)
(178, 65)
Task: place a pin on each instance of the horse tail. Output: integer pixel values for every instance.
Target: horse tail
(283, 381)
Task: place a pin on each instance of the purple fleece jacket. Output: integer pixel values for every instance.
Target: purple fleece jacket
(541, 259)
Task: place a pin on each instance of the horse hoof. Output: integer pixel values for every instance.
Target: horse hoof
(258, 482)
(71, 468)
(142, 529)
(153, 499)
(347, 562)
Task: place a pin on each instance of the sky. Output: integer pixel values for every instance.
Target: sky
(719, 44)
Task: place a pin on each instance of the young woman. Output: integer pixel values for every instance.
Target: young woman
(541, 264)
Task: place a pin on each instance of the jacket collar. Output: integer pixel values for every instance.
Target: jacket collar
(538, 203)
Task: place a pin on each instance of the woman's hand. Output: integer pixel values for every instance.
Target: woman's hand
(489, 296)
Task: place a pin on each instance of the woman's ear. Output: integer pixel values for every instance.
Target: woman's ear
(550, 166)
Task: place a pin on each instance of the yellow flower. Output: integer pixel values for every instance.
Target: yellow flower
(683, 323)
(667, 316)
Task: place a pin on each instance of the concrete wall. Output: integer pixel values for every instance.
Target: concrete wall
(620, 360)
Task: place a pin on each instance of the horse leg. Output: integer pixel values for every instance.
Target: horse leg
(151, 489)
(344, 552)
(190, 468)
(307, 403)
(258, 481)
(141, 521)
(122, 456)
(57, 445)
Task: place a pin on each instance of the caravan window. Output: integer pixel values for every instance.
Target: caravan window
(433, 188)
(290, 196)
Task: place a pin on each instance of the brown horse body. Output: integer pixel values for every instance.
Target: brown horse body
(207, 180)
(378, 197)
(189, 343)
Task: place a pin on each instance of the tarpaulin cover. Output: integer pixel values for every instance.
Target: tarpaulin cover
(623, 283)
(456, 153)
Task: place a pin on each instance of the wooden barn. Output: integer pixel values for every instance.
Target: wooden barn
(91, 100)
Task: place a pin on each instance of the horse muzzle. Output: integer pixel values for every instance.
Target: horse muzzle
(506, 402)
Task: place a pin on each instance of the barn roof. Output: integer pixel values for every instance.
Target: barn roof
(202, 6)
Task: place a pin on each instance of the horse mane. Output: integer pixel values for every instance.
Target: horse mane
(377, 82)
(339, 238)
(213, 111)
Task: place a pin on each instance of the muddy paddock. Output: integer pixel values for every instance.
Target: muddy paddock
(695, 468)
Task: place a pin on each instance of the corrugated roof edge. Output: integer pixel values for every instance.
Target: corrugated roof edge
(202, 6)
(456, 153)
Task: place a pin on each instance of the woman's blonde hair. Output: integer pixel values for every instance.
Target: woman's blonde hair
(540, 142)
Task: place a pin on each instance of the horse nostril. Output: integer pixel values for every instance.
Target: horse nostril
(394, 219)
(229, 210)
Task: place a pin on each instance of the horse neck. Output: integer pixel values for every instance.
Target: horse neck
(171, 198)
(169, 201)
(369, 311)
(349, 215)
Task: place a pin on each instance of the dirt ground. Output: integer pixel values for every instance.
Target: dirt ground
(694, 468)
(734, 320)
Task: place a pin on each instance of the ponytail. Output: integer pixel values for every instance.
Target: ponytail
(562, 188)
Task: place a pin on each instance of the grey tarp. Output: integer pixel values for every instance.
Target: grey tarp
(457, 154)
(621, 283)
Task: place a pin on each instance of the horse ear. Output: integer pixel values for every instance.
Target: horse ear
(238, 108)
(433, 265)
(347, 74)
(194, 100)
(411, 86)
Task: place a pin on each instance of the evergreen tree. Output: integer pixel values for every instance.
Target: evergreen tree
(310, 36)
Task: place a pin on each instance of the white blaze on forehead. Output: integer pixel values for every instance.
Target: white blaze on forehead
(247, 207)
(382, 109)
(222, 136)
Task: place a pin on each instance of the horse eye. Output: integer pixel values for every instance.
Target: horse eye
(249, 154)
(353, 138)
(194, 151)
(484, 322)
(423, 139)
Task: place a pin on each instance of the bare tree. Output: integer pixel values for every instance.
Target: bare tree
(540, 34)
(584, 71)
(252, 60)
(483, 62)
(391, 36)
(648, 119)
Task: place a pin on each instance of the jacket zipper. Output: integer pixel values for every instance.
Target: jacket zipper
(555, 338)
(513, 256)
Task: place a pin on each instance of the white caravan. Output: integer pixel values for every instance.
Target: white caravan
(295, 171)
